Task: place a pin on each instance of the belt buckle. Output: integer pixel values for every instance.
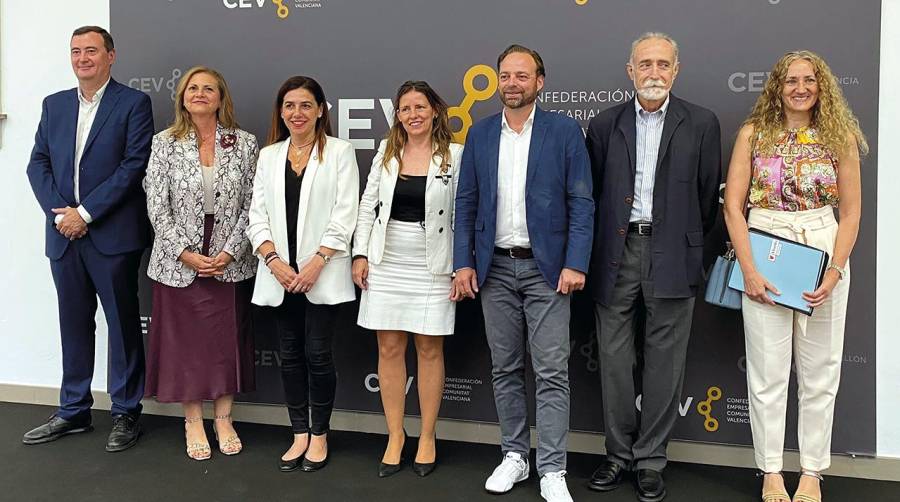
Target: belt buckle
(644, 228)
(512, 252)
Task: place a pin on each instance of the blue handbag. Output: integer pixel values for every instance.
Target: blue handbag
(717, 291)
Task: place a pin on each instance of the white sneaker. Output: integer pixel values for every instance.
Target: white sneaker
(513, 469)
(553, 487)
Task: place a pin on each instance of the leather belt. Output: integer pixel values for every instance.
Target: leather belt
(518, 253)
(640, 228)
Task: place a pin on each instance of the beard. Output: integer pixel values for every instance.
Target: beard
(652, 90)
(527, 97)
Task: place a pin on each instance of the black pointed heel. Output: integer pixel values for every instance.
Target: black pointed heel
(387, 470)
(423, 469)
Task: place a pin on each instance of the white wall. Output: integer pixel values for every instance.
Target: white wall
(888, 295)
(35, 63)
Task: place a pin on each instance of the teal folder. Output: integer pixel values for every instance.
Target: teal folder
(793, 268)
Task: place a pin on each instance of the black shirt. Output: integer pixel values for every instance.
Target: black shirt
(409, 199)
(292, 184)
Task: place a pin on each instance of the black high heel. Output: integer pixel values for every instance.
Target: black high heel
(424, 469)
(386, 470)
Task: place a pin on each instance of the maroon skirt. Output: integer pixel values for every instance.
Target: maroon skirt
(200, 339)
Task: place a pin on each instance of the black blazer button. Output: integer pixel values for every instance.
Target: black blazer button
(440, 229)
(441, 211)
(380, 203)
(614, 263)
(621, 231)
(628, 200)
(218, 194)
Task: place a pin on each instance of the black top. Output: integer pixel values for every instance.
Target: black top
(409, 199)
(292, 184)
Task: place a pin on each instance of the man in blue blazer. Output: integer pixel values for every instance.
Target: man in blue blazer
(657, 167)
(524, 220)
(89, 158)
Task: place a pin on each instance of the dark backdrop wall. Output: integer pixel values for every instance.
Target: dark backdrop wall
(361, 50)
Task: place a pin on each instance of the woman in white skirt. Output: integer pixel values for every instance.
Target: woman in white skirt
(403, 251)
(795, 158)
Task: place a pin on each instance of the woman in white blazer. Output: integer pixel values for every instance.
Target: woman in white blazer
(402, 260)
(304, 208)
(198, 184)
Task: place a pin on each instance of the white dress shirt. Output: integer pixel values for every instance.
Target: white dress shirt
(512, 170)
(649, 127)
(87, 110)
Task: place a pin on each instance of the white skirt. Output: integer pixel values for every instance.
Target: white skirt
(403, 294)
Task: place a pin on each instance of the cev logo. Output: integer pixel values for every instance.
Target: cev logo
(463, 111)
(346, 123)
(705, 408)
(156, 84)
(753, 81)
(282, 10)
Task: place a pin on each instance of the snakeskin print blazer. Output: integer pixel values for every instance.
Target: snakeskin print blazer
(174, 186)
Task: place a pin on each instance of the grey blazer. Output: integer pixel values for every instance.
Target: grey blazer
(174, 186)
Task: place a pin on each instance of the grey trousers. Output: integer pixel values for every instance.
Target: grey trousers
(635, 440)
(522, 312)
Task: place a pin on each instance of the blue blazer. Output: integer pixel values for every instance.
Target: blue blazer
(112, 168)
(558, 202)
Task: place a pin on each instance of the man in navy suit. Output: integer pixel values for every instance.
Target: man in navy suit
(90, 154)
(524, 224)
(657, 167)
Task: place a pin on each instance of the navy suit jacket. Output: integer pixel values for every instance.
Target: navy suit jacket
(558, 204)
(685, 195)
(112, 167)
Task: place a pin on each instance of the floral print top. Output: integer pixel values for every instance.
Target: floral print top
(801, 174)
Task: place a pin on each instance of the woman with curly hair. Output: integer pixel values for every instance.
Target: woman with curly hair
(795, 158)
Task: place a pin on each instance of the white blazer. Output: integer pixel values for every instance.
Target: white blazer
(329, 201)
(440, 194)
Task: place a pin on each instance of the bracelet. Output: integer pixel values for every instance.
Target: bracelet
(839, 270)
(271, 257)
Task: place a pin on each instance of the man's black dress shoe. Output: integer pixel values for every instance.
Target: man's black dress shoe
(124, 434)
(54, 429)
(423, 469)
(650, 485)
(607, 477)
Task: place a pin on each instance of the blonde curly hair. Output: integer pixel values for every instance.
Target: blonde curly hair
(831, 115)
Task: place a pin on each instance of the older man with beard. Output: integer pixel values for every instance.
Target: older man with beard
(524, 219)
(657, 166)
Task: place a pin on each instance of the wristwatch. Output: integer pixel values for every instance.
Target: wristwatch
(324, 256)
(841, 272)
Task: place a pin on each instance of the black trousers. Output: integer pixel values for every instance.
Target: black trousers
(639, 440)
(306, 334)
